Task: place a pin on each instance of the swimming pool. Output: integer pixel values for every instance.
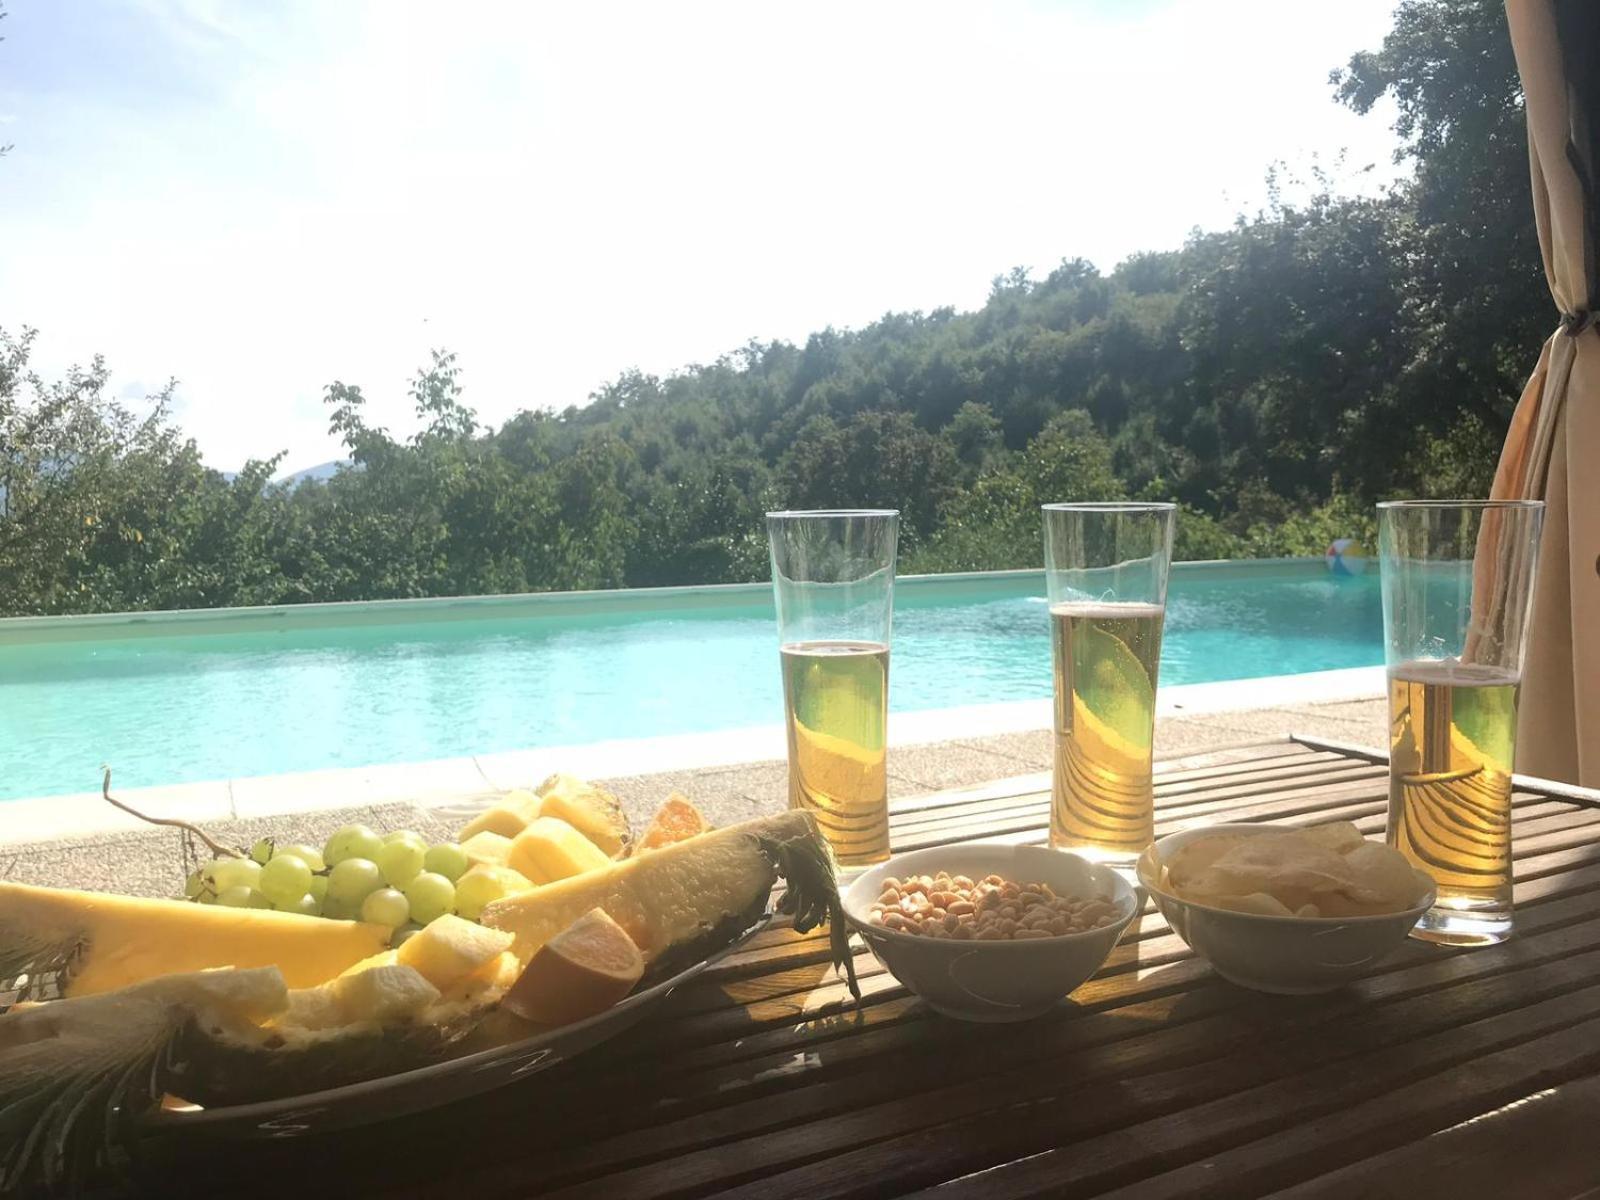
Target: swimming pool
(172, 698)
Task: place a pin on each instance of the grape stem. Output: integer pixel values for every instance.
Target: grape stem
(216, 847)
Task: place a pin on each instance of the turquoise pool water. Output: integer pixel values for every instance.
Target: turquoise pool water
(169, 709)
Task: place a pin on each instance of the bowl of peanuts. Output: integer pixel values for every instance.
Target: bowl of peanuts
(988, 931)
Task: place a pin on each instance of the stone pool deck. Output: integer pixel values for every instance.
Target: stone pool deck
(79, 841)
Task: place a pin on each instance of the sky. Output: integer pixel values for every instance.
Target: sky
(259, 197)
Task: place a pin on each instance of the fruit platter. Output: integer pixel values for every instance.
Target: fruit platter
(295, 988)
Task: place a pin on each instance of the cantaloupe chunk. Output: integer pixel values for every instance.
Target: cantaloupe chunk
(592, 811)
(550, 849)
(677, 820)
(487, 847)
(391, 992)
(583, 970)
(122, 940)
(449, 949)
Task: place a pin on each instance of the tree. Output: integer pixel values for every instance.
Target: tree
(1273, 378)
(1477, 279)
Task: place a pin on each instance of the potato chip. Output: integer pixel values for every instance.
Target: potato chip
(1198, 855)
(1286, 865)
(1255, 902)
(1324, 871)
(1340, 836)
(1384, 879)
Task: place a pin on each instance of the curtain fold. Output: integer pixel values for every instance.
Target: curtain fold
(1552, 451)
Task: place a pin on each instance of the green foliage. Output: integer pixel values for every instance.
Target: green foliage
(1274, 378)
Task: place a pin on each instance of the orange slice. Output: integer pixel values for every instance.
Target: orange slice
(677, 820)
(583, 970)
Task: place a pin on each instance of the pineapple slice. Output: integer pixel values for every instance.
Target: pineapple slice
(313, 1009)
(670, 898)
(383, 958)
(488, 847)
(508, 817)
(550, 849)
(395, 992)
(449, 949)
(593, 812)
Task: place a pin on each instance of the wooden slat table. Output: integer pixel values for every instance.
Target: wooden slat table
(1444, 1072)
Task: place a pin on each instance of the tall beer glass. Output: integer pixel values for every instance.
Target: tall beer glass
(1457, 579)
(833, 579)
(1106, 570)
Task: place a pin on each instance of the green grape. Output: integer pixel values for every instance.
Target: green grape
(319, 888)
(258, 900)
(476, 891)
(307, 906)
(193, 885)
(234, 897)
(340, 910)
(261, 852)
(353, 880)
(447, 859)
(284, 880)
(408, 834)
(206, 898)
(431, 896)
(310, 855)
(401, 860)
(228, 873)
(386, 907)
(353, 841)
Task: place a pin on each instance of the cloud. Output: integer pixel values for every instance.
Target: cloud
(274, 197)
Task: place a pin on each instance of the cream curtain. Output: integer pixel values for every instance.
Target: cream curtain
(1552, 451)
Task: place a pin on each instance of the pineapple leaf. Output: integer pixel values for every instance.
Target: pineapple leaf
(812, 895)
(64, 1098)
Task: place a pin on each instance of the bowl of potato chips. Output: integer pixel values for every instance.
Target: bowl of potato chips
(1291, 911)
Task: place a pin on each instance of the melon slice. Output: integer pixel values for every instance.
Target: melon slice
(583, 970)
(592, 811)
(677, 820)
(550, 849)
(97, 942)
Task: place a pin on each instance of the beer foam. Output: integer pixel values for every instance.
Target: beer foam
(1451, 672)
(1107, 610)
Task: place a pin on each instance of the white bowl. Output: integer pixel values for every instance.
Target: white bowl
(993, 980)
(1290, 956)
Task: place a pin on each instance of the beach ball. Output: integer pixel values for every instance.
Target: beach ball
(1346, 556)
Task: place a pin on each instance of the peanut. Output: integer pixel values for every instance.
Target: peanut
(990, 909)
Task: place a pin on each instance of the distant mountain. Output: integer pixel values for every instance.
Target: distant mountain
(315, 474)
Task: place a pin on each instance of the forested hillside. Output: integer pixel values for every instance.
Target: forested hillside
(1275, 378)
